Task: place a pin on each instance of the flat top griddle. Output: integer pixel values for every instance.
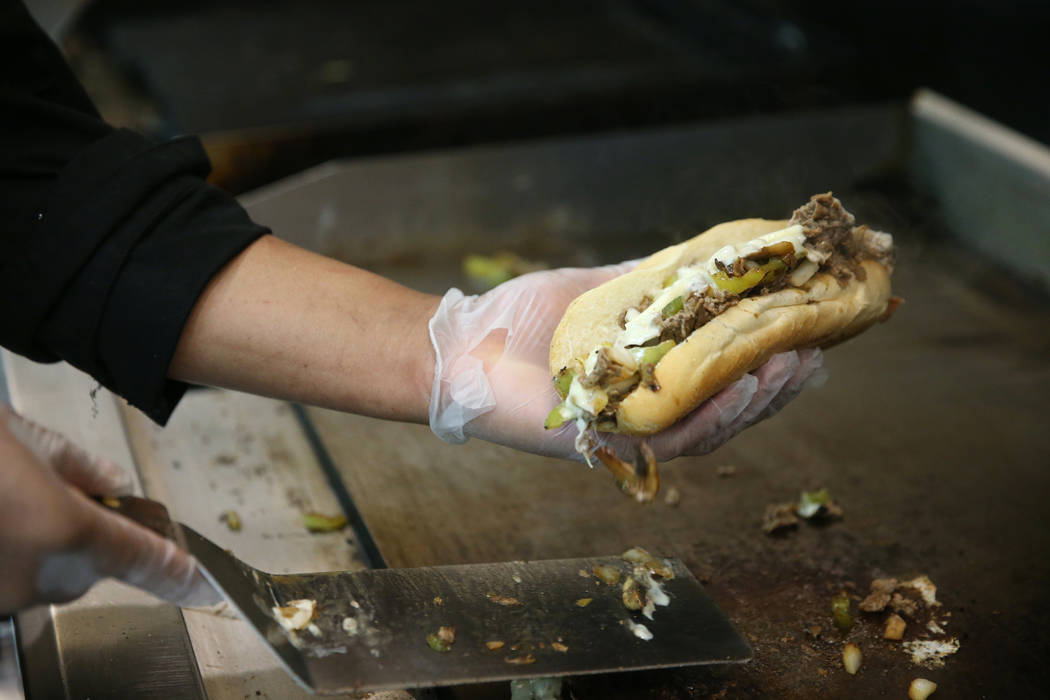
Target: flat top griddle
(930, 434)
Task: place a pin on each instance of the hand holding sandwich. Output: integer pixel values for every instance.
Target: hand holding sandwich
(492, 379)
(687, 348)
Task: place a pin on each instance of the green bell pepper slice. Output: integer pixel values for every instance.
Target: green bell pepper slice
(653, 354)
(563, 381)
(673, 307)
(751, 278)
(557, 417)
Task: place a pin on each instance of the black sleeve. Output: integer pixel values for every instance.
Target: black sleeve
(107, 238)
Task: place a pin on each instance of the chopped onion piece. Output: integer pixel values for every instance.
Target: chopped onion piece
(851, 657)
(296, 615)
(921, 688)
(639, 630)
(802, 274)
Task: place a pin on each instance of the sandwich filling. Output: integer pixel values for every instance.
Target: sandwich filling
(821, 237)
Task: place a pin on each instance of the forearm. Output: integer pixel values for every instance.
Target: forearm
(284, 322)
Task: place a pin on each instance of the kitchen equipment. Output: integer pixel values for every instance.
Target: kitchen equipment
(372, 629)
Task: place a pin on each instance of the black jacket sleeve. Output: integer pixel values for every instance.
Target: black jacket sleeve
(107, 238)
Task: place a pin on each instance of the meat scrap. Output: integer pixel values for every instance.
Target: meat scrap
(697, 309)
(881, 592)
(503, 600)
(779, 517)
(641, 306)
(905, 597)
(825, 223)
(904, 604)
(640, 481)
(914, 599)
(606, 370)
(895, 626)
(812, 506)
(830, 231)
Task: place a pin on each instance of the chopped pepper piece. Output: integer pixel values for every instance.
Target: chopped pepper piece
(738, 285)
(751, 278)
(232, 520)
(557, 417)
(487, 271)
(318, 522)
(673, 307)
(563, 381)
(442, 640)
(840, 611)
(810, 502)
(653, 354)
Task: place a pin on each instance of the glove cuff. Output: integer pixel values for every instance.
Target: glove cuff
(461, 391)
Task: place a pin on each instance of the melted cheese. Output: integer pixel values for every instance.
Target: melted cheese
(643, 326)
(590, 401)
(646, 325)
(727, 255)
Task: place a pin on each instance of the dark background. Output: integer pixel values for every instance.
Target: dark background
(276, 86)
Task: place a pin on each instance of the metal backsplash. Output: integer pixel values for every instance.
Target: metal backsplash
(993, 184)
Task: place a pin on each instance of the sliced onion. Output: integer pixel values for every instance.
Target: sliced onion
(802, 274)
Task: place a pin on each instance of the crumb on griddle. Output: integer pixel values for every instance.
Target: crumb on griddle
(521, 659)
(504, 600)
(442, 640)
(779, 517)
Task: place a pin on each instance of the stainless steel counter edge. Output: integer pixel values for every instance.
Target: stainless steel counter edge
(115, 642)
(11, 687)
(1002, 212)
(5, 397)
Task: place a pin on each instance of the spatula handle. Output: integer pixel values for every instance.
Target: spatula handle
(150, 514)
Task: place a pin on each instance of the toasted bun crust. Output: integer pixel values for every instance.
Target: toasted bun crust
(741, 339)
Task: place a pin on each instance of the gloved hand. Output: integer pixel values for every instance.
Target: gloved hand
(55, 542)
(492, 378)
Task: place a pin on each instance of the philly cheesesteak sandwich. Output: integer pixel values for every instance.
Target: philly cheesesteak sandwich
(641, 351)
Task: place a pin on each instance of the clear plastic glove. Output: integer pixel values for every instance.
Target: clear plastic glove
(492, 377)
(55, 542)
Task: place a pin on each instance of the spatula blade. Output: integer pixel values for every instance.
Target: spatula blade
(536, 609)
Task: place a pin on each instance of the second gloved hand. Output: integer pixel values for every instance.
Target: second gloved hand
(55, 542)
(492, 378)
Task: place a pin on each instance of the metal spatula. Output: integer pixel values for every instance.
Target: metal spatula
(371, 627)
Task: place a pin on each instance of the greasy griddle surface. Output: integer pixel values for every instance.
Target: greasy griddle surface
(931, 434)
